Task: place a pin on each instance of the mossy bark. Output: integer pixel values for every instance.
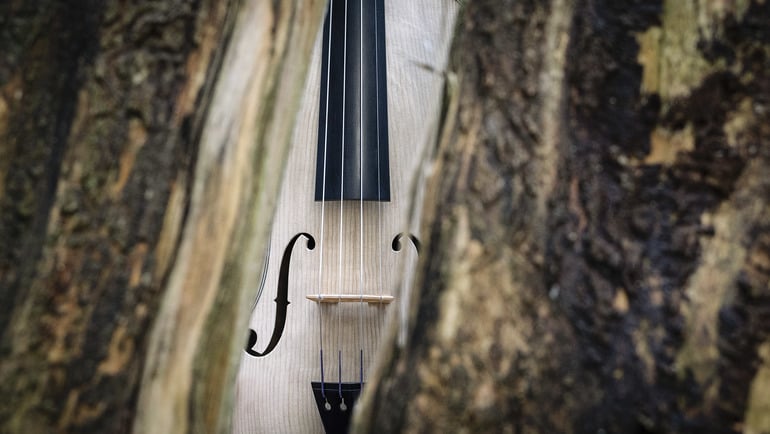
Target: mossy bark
(597, 241)
(139, 144)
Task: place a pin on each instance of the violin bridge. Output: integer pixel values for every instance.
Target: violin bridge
(350, 298)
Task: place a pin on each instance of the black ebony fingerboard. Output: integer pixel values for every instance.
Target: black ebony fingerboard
(353, 115)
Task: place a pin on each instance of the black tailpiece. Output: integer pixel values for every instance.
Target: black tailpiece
(336, 410)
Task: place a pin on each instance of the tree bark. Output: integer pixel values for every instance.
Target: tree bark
(139, 151)
(597, 247)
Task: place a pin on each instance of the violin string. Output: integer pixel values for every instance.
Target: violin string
(379, 175)
(342, 196)
(323, 198)
(361, 197)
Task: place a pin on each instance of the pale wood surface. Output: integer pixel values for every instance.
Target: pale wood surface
(235, 181)
(273, 393)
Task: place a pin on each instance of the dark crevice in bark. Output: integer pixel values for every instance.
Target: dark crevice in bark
(48, 46)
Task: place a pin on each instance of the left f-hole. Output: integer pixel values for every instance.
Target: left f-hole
(281, 299)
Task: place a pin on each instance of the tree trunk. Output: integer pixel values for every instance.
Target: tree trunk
(597, 226)
(597, 251)
(139, 151)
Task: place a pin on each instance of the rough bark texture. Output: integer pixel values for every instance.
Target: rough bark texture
(135, 158)
(98, 134)
(598, 245)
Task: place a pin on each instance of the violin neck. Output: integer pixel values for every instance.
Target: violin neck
(352, 161)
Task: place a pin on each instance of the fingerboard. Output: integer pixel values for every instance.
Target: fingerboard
(352, 161)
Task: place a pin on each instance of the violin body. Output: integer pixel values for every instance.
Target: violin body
(335, 268)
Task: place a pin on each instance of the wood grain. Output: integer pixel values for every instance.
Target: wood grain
(273, 393)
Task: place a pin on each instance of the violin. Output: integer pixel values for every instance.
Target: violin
(340, 241)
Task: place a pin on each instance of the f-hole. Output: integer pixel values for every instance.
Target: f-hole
(396, 244)
(281, 299)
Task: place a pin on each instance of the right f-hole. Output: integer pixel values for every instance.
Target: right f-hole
(396, 244)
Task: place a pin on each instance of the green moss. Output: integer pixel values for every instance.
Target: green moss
(682, 66)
